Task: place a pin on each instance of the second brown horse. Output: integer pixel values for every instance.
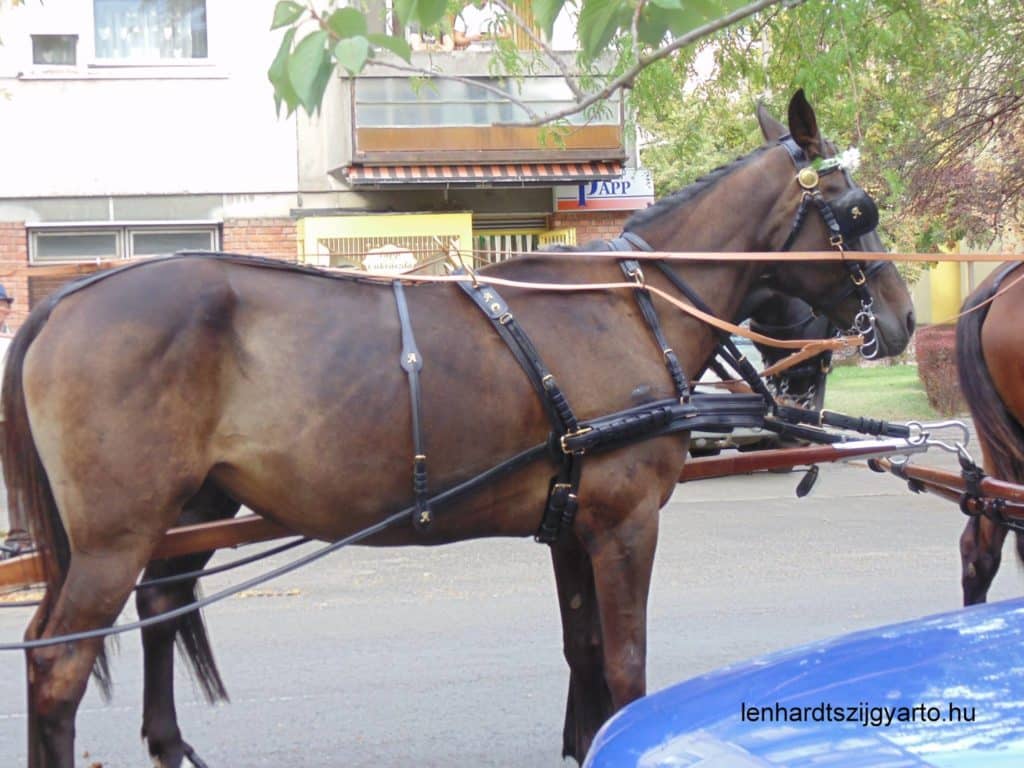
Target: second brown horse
(990, 362)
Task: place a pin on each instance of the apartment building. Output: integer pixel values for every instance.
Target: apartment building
(133, 128)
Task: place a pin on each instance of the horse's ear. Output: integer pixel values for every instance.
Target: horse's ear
(803, 125)
(771, 128)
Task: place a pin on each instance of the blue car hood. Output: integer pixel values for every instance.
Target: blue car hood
(880, 698)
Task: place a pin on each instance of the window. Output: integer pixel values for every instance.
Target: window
(75, 246)
(55, 50)
(151, 30)
(153, 243)
(400, 102)
(70, 244)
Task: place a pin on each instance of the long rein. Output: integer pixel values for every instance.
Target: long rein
(622, 428)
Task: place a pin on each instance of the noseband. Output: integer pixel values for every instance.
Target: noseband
(808, 178)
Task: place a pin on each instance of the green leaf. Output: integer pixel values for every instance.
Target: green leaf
(424, 12)
(654, 23)
(278, 75)
(696, 13)
(347, 22)
(352, 53)
(545, 12)
(323, 77)
(397, 45)
(304, 66)
(597, 25)
(287, 12)
(670, 5)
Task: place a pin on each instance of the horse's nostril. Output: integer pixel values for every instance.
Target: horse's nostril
(910, 322)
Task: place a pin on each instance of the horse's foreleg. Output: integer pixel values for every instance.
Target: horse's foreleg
(32, 632)
(94, 592)
(589, 701)
(623, 558)
(159, 717)
(981, 546)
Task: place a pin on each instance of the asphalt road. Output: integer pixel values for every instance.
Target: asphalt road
(451, 656)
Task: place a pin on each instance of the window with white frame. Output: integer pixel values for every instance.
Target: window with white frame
(55, 50)
(150, 30)
(71, 244)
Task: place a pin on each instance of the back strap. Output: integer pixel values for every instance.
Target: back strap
(412, 362)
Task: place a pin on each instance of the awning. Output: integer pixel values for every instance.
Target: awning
(483, 173)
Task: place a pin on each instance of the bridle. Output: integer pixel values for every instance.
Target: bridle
(809, 177)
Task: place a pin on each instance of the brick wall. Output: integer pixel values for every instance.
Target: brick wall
(275, 238)
(592, 226)
(13, 263)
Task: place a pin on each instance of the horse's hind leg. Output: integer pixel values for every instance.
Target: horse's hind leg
(589, 701)
(159, 718)
(981, 546)
(94, 592)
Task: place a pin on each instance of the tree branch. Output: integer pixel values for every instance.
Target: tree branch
(634, 29)
(570, 77)
(626, 78)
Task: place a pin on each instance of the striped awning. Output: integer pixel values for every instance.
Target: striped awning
(483, 173)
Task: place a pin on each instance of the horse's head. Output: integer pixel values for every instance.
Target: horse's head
(820, 207)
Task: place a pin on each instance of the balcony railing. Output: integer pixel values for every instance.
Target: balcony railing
(397, 120)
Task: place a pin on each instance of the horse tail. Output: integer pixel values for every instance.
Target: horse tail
(996, 426)
(29, 495)
(195, 646)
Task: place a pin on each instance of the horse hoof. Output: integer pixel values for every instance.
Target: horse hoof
(192, 757)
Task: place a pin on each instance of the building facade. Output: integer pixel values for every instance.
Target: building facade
(134, 128)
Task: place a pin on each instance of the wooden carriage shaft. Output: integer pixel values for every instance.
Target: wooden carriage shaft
(707, 467)
(26, 570)
(951, 485)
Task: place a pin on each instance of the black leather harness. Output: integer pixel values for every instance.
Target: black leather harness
(412, 363)
(569, 440)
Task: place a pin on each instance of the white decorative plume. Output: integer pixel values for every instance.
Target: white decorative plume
(850, 159)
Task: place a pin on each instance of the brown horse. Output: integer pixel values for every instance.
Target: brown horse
(990, 363)
(184, 387)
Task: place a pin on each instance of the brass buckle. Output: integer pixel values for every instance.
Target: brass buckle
(505, 319)
(859, 273)
(568, 436)
(836, 241)
(570, 497)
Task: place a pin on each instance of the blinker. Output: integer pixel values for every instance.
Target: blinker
(856, 213)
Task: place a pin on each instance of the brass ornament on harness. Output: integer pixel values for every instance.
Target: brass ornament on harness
(807, 178)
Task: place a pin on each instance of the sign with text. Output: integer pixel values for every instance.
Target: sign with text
(389, 258)
(633, 191)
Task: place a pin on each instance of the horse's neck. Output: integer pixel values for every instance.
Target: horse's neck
(722, 286)
(731, 216)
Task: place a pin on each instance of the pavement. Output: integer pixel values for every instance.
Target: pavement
(452, 656)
